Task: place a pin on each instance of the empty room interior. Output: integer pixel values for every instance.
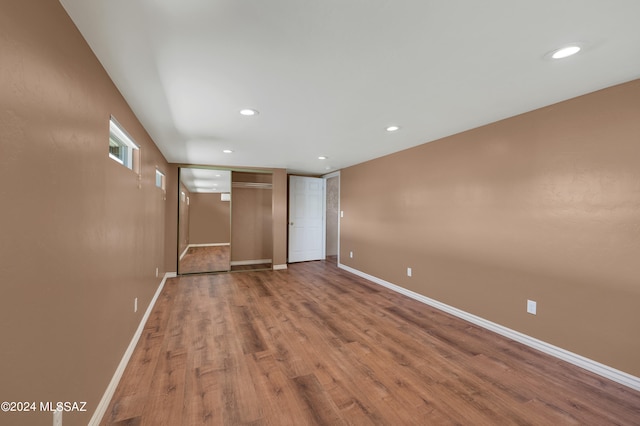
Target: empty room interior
(346, 212)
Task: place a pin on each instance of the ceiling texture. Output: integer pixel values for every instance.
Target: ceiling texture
(328, 77)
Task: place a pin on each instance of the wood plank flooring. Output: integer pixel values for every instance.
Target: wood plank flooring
(313, 345)
(202, 260)
(205, 259)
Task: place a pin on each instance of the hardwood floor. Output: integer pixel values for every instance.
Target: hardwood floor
(316, 345)
(199, 260)
(205, 259)
(251, 267)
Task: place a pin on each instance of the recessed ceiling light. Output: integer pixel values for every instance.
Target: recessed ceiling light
(565, 51)
(248, 112)
(227, 151)
(322, 157)
(393, 128)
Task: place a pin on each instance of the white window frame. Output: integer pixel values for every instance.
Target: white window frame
(160, 179)
(119, 137)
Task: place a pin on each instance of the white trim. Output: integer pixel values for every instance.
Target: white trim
(250, 262)
(279, 267)
(323, 208)
(331, 175)
(108, 394)
(114, 158)
(184, 253)
(325, 177)
(600, 369)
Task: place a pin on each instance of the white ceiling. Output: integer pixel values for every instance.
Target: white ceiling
(329, 76)
(205, 180)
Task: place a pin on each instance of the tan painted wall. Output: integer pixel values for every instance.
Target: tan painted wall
(171, 219)
(210, 219)
(279, 212)
(542, 206)
(252, 228)
(79, 239)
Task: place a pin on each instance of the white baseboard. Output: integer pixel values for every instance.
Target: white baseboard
(210, 245)
(250, 262)
(600, 369)
(184, 253)
(108, 394)
(279, 267)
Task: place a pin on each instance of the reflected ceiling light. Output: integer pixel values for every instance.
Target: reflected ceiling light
(249, 112)
(565, 52)
(393, 128)
(322, 157)
(227, 151)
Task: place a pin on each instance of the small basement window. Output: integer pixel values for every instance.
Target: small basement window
(160, 180)
(122, 148)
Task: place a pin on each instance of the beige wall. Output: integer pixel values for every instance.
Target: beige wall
(80, 235)
(210, 219)
(542, 206)
(171, 219)
(279, 212)
(252, 228)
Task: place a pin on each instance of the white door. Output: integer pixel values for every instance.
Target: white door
(306, 218)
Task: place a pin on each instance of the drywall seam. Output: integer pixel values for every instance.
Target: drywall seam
(600, 369)
(108, 394)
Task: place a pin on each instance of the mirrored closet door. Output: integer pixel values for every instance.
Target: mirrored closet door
(204, 220)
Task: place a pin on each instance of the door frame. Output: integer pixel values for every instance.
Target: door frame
(326, 177)
(324, 213)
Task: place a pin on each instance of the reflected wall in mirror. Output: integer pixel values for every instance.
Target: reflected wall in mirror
(252, 221)
(204, 220)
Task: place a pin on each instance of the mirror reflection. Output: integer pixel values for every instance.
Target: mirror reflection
(204, 221)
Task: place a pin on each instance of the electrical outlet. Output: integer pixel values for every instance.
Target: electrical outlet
(135, 305)
(409, 272)
(531, 307)
(351, 254)
(57, 418)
